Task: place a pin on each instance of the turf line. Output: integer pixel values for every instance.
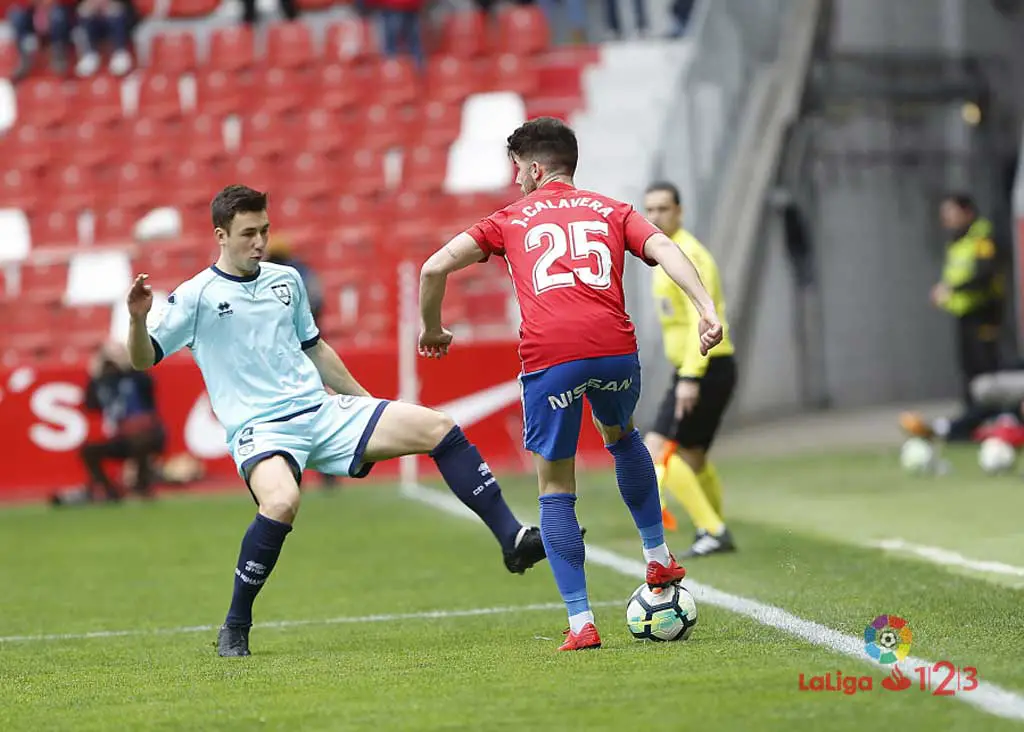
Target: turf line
(947, 558)
(987, 697)
(344, 620)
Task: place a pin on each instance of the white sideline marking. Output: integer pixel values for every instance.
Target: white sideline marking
(344, 620)
(947, 557)
(987, 697)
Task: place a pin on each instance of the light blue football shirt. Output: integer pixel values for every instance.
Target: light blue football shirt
(247, 334)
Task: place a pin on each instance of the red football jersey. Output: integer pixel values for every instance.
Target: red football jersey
(566, 249)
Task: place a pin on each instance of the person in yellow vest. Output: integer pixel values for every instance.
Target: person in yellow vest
(699, 392)
(971, 290)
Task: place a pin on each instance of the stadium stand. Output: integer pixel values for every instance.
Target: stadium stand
(359, 152)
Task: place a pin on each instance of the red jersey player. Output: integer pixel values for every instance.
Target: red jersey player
(565, 249)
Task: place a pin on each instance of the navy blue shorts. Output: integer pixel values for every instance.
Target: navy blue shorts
(553, 401)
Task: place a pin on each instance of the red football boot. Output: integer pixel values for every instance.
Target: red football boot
(658, 575)
(586, 638)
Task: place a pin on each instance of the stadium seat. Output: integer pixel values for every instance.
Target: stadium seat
(364, 173)
(154, 142)
(204, 138)
(350, 41)
(173, 53)
(90, 145)
(385, 127)
(510, 72)
(192, 8)
(20, 189)
(464, 34)
(267, 136)
(98, 100)
(522, 30)
(438, 124)
(43, 282)
(54, 228)
(220, 93)
(98, 277)
(28, 148)
(158, 97)
(397, 82)
(190, 180)
(232, 48)
(285, 90)
(315, 4)
(43, 102)
(356, 211)
(8, 57)
(451, 79)
(308, 177)
(423, 169)
(256, 172)
(342, 88)
(290, 45)
(324, 133)
(112, 225)
(15, 235)
(140, 187)
(77, 187)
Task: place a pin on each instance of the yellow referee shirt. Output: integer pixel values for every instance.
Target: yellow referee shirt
(679, 317)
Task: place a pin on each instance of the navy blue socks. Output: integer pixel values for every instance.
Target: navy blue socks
(261, 547)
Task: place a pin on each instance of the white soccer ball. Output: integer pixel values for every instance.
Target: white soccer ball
(917, 455)
(996, 456)
(662, 614)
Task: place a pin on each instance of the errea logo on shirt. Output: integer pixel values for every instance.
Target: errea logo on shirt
(224, 309)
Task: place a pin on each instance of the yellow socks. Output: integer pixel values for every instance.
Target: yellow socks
(680, 480)
(712, 486)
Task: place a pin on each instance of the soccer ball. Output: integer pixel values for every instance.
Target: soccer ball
(662, 614)
(996, 456)
(917, 455)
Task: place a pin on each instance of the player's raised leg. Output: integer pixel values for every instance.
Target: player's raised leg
(634, 467)
(411, 429)
(274, 485)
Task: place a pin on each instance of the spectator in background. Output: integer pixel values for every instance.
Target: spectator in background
(289, 9)
(111, 20)
(576, 17)
(681, 11)
(402, 27)
(615, 23)
(38, 20)
(125, 397)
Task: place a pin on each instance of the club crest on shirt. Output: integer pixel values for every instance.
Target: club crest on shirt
(283, 292)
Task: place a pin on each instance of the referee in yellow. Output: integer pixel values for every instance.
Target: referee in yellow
(700, 391)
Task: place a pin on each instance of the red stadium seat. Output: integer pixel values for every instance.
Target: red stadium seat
(155, 142)
(173, 53)
(324, 133)
(158, 97)
(343, 87)
(285, 90)
(204, 138)
(28, 148)
(355, 210)
(43, 102)
(350, 41)
(522, 30)
(192, 8)
(439, 124)
(398, 82)
(266, 136)
(452, 79)
(510, 72)
(465, 34)
(253, 172)
(315, 4)
(290, 45)
(92, 145)
(98, 100)
(191, 183)
(76, 187)
(232, 48)
(114, 225)
(8, 57)
(385, 127)
(364, 173)
(424, 169)
(220, 93)
(307, 176)
(20, 189)
(139, 187)
(44, 282)
(54, 228)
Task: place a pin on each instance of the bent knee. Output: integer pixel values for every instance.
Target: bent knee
(438, 428)
(281, 504)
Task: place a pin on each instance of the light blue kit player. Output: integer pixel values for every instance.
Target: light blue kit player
(250, 330)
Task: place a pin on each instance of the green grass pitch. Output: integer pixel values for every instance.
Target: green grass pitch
(475, 649)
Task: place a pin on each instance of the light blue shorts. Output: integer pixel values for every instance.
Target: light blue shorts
(330, 438)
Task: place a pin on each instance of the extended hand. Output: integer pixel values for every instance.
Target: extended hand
(434, 344)
(140, 297)
(941, 294)
(687, 394)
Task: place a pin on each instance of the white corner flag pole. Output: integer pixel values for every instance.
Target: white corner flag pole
(408, 334)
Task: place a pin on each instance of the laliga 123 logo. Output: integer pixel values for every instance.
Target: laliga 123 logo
(887, 640)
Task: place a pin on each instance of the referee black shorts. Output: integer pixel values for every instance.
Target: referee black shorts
(698, 427)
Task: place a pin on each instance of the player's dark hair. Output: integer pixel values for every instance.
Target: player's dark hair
(663, 186)
(963, 201)
(546, 140)
(233, 200)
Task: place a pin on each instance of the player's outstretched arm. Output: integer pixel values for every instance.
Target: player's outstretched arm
(457, 254)
(333, 370)
(681, 270)
(140, 346)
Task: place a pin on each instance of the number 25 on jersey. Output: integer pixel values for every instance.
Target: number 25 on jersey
(589, 259)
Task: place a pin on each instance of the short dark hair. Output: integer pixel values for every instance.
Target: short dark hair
(963, 201)
(235, 199)
(546, 140)
(666, 187)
